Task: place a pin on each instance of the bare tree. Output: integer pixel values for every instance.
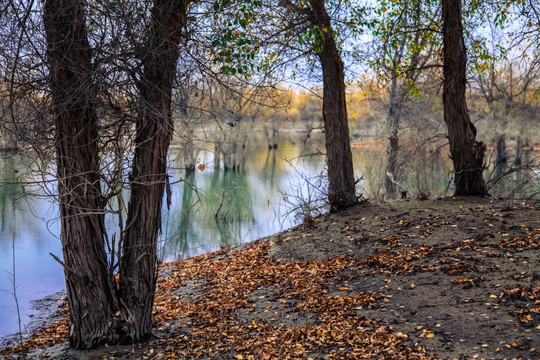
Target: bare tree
(405, 44)
(101, 308)
(90, 295)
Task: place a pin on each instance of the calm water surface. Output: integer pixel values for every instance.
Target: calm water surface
(249, 205)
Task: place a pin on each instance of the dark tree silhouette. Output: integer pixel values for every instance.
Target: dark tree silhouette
(153, 136)
(89, 289)
(101, 309)
(341, 187)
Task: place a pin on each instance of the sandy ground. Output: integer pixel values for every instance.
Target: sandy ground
(445, 278)
(47, 310)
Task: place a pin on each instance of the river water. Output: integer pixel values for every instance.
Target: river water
(250, 204)
(251, 207)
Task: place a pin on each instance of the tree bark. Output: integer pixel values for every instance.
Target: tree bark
(341, 189)
(89, 290)
(502, 155)
(153, 135)
(467, 153)
(394, 115)
(93, 304)
(519, 152)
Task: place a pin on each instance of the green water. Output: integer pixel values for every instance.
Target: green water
(211, 208)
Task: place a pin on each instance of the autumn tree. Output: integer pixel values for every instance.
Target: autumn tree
(88, 286)
(467, 153)
(101, 308)
(341, 188)
(311, 21)
(153, 136)
(262, 37)
(111, 90)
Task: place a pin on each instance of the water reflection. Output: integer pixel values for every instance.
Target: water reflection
(211, 207)
(215, 208)
(231, 199)
(24, 228)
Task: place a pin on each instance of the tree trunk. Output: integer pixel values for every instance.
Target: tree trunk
(467, 153)
(394, 116)
(90, 298)
(519, 152)
(502, 155)
(187, 135)
(217, 155)
(153, 136)
(341, 189)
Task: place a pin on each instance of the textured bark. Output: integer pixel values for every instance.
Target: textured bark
(153, 136)
(89, 290)
(341, 187)
(92, 303)
(467, 153)
(397, 96)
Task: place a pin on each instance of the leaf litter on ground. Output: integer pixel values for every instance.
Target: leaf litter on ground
(448, 278)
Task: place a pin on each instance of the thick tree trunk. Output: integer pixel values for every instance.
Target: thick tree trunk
(89, 290)
(467, 153)
(153, 136)
(341, 189)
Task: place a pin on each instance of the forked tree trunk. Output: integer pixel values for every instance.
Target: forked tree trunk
(467, 153)
(341, 187)
(92, 303)
(153, 136)
(89, 290)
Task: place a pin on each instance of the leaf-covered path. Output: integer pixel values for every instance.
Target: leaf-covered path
(446, 278)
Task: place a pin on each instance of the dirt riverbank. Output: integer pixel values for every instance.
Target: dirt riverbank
(446, 278)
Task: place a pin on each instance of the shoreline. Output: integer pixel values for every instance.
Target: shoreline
(444, 278)
(47, 311)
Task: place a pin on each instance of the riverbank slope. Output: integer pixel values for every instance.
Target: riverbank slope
(447, 278)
